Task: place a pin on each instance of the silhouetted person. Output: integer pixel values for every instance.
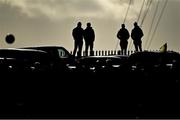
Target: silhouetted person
(136, 35)
(78, 39)
(89, 37)
(123, 36)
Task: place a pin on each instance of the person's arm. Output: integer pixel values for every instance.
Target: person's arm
(73, 34)
(132, 34)
(118, 35)
(142, 33)
(93, 35)
(128, 34)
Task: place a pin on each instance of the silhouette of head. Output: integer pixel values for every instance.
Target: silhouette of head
(123, 25)
(79, 24)
(88, 24)
(135, 24)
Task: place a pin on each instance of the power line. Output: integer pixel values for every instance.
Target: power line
(141, 10)
(153, 20)
(161, 14)
(146, 12)
(127, 11)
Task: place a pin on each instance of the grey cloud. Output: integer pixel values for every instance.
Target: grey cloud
(59, 9)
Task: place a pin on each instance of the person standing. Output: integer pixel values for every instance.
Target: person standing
(89, 37)
(123, 36)
(136, 35)
(77, 34)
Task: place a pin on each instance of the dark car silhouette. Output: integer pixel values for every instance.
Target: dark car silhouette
(142, 61)
(23, 60)
(101, 63)
(155, 78)
(61, 57)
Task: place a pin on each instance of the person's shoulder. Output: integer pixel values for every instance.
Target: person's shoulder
(126, 29)
(75, 28)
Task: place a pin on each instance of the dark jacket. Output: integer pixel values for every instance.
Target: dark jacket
(89, 34)
(123, 34)
(78, 34)
(137, 34)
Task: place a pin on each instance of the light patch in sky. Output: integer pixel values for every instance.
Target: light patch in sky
(59, 9)
(50, 22)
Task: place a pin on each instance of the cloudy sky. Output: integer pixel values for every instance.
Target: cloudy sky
(50, 22)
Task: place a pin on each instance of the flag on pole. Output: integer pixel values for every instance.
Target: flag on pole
(163, 48)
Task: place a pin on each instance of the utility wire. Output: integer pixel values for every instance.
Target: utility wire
(141, 10)
(127, 11)
(146, 12)
(151, 27)
(161, 14)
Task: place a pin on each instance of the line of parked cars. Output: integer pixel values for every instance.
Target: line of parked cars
(110, 85)
(55, 58)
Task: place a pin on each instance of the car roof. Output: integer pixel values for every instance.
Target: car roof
(20, 50)
(14, 52)
(154, 54)
(150, 57)
(43, 46)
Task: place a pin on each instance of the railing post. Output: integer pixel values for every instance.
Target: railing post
(105, 53)
(115, 52)
(96, 53)
(102, 53)
(111, 52)
(108, 52)
(128, 53)
(118, 52)
(99, 53)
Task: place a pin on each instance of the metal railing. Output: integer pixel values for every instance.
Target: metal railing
(106, 53)
(110, 52)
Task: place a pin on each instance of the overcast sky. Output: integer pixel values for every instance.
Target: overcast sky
(50, 22)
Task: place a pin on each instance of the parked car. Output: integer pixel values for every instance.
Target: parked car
(101, 63)
(61, 57)
(155, 78)
(154, 61)
(23, 60)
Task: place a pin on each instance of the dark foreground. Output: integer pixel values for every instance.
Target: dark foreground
(90, 95)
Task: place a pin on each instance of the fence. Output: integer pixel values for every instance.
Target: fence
(109, 52)
(106, 52)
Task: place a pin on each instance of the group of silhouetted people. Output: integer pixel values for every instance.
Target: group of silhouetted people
(136, 34)
(88, 35)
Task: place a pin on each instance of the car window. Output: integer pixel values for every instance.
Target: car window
(62, 53)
